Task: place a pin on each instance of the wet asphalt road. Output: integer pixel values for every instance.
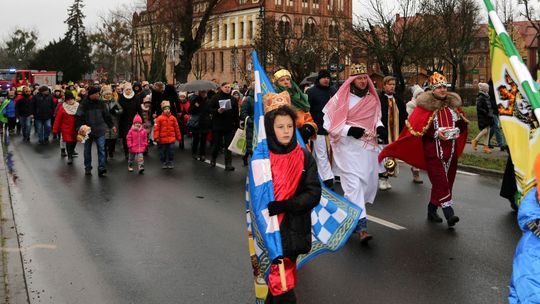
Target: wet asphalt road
(178, 236)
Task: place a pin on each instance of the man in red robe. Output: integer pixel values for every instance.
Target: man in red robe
(433, 140)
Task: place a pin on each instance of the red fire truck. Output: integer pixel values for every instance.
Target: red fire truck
(13, 78)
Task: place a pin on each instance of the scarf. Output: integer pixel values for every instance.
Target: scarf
(70, 109)
(366, 114)
(298, 99)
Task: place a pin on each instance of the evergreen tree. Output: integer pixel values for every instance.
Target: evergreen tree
(76, 36)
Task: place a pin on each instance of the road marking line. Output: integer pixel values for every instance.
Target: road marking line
(385, 223)
(35, 246)
(467, 173)
(217, 164)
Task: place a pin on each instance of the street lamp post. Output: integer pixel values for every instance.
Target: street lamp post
(262, 28)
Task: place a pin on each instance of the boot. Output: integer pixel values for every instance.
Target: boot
(364, 237)
(63, 152)
(451, 219)
(487, 150)
(432, 214)
(416, 176)
(474, 144)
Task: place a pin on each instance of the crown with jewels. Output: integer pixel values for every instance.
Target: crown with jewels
(437, 80)
(358, 68)
(273, 101)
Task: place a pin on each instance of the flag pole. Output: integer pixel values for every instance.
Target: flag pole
(522, 73)
(282, 275)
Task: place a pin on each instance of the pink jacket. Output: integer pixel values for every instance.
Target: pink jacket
(137, 140)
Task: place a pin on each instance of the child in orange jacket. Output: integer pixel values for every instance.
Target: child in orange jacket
(166, 133)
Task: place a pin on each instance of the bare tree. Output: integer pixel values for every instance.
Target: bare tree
(530, 14)
(456, 23)
(392, 37)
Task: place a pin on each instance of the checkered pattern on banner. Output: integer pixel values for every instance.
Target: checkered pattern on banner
(325, 220)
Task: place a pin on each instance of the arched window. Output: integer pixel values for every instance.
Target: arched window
(284, 26)
(309, 27)
(333, 29)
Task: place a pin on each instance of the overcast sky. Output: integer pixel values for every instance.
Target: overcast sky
(47, 16)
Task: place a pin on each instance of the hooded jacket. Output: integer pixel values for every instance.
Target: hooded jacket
(166, 130)
(65, 121)
(137, 139)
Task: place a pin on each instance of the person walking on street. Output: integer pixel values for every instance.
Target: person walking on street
(137, 140)
(24, 110)
(199, 124)
(318, 96)
(393, 118)
(64, 123)
(496, 126)
(416, 90)
(166, 133)
(183, 116)
(485, 117)
(43, 114)
(225, 121)
(246, 116)
(9, 112)
(351, 118)
(93, 113)
(433, 141)
(131, 106)
(115, 110)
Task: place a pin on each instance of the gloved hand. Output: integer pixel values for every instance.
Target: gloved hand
(356, 132)
(381, 135)
(277, 207)
(306, 131)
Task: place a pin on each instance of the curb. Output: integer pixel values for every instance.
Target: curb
(481, 171)
(14, 277)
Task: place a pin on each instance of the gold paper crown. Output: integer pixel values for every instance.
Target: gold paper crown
(282, 73)
(437, 80)
(273, 101)
(358, 68)
(106, 89)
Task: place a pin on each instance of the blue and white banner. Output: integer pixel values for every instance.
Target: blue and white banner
(333, 220)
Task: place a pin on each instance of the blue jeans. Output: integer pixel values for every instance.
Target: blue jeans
(362, 225)
(102, 158)
(43, 129)
(26, 126)
(166, 153)
(496, 129)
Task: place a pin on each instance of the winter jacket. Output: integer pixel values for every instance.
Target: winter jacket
(229, 119)
(169, 93)
(130, 108)
(296, 225)
(383, 133)
(43, 107)
(24, 107)
(318, 97)
(94, 114)
(525, 281)
(166, 130)
(183, 115)
(9, 110)
(484, 111)
(248, 110)
(202, 111)
(115, 110)
(65, 123)
(137, 140)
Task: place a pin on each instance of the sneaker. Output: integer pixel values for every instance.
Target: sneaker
(212, 163)
(388, 185)
(434, 217)
(75, 154)
(382, 184)
(102, 172)
(164, 166)
(365, 237)
(130, 168)
(194, 156)
(487, 150)
(63, 152)
(87, 171)
(452, 221)
(141, 170)
(202, 158)
(70, 161)
(170, 166)
(229, 168)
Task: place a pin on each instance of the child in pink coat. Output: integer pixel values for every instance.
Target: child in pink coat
(137, 141)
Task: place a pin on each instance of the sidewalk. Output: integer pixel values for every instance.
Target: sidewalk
(496, 155)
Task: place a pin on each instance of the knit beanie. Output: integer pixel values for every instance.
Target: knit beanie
(324, 74)
(93, 90)
(484, 87)
(137, 119)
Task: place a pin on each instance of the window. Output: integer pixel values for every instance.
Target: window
(316, 4)
(233, 31)
(241, 30)
(222, 62)
(225, 32)
(213, 62)
(210, 36)
(290, 2)
(278, 2)
(309, 27)
(333, 29)
(204, 63)
(305, 3)
(250, 30)
(284, 26)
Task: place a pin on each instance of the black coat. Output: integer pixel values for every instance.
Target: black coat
(484, 111)
(228, 120)
(93, 113)
(248, 110)
(383, 134)
(130, 107)
(318, 97)
(43, 106)
(169, 93)
(296, 225)
(203, 111)
(24, 107)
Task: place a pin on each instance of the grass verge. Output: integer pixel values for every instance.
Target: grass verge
(467, 159)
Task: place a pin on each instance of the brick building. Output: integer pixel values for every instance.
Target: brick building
(234, 27)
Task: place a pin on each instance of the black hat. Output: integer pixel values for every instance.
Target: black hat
(324, 74)
(93, 90)
(68, 95)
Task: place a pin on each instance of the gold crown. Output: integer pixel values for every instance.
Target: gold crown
(282, 73)
(437, 80)
(358, 68)
(273, 101)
